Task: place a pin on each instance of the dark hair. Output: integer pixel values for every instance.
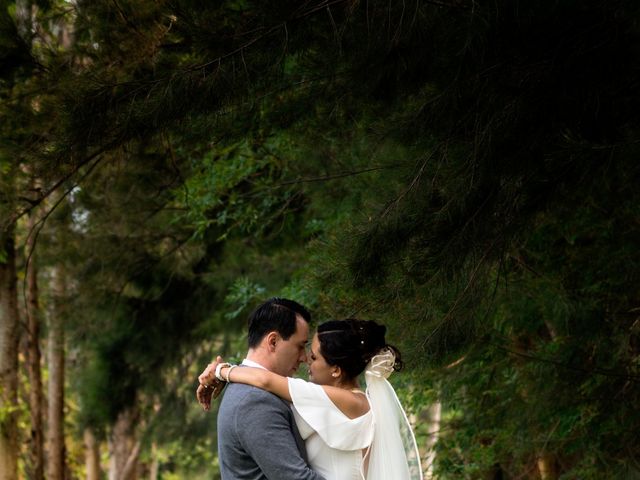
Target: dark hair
(276, 314)
(350, 344)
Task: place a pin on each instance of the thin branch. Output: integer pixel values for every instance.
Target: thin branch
(413, 183)
(269, 31)
(597, 371)
(324, 178)
(39, 225)
(33, 204)
(472, 278)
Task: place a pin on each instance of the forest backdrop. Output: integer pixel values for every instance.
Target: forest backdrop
(465, 172)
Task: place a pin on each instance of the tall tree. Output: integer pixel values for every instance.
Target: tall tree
(33, 355)
(56, 454)
(16, 60)
(463, 171)
(92, 454)
(9, 339)
(26, 121)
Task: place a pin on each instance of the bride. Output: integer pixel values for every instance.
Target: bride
(350, 434)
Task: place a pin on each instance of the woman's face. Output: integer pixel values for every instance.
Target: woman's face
(319, 371)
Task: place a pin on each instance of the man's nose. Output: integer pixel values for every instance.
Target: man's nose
(303, 356)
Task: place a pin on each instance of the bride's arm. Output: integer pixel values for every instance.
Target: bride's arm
(258, 377)
(351, 404)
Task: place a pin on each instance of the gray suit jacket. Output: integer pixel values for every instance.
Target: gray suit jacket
(258, 438)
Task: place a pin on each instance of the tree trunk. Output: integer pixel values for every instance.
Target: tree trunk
(8, 357)
(56, 450)
(35, 467)
(153, 467)
(123, 449)
(130, 470)
(432, 416)
(91, 455)
(547, 467)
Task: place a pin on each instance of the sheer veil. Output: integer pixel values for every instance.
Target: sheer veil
(393, 453)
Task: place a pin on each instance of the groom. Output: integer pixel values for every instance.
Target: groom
(257, 435)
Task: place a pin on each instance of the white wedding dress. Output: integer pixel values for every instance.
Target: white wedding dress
(337, 445)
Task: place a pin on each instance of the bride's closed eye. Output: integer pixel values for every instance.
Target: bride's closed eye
(312, 356)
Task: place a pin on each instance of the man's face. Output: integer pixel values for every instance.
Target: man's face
(289, 354)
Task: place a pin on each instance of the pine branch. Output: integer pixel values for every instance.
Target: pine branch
(596, 371)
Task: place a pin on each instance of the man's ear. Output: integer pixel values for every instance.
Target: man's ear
(272, 341)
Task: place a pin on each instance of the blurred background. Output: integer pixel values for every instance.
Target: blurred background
(464, 172)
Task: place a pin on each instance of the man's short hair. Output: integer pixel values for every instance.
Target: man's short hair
(276, 314)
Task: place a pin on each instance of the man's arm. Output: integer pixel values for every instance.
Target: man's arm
(264, 427)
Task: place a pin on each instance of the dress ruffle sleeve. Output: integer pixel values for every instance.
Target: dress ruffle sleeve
(314, 406)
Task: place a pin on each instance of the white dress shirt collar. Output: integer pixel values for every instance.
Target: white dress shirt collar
(251, 363)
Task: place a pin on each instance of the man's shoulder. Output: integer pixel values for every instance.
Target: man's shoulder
(239, 394)
(244, 407)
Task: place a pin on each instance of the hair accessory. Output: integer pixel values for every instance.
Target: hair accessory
(381, 365)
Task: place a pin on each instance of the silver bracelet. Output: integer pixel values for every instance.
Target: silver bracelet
(231, 367)
(219, 367)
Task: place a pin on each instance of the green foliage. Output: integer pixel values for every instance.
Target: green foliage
(231, 190)
(241, 294)
(464, 174)
(197, 462)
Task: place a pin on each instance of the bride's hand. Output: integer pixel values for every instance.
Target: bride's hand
(210, 387)
(204, 394)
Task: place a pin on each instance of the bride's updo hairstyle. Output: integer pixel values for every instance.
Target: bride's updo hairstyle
(350, 344)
